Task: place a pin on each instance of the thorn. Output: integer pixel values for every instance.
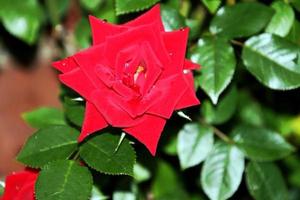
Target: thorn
(78, 99)
(183, 115)
(120, 141)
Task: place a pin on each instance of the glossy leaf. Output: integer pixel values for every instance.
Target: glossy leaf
(212, 5)
(101, 154)
(223, 111)
(282, 21)
(241, 20)
(141, 173)
(171, 18)
(128, 6)
(49, 144)
(194, 144)
(274, 61)
(64, 180)
(222, 171)
(260, 144)
(43, 117)
(265, 181)
(118, 195)
(217, 59)
(294, 34)
(22, 19)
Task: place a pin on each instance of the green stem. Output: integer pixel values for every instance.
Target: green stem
(120, 141)
(238, 43)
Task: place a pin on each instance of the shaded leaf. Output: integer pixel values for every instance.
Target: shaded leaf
(264, 181)
(49, 144)
(274, 61)
(217, 59)
(282, 21)
(56, 9)
(128, 6)
(260, 144)
(223, 111)
(294, 34)
(74, 111)
(194, 144)
(43, 117)
(100, 153)
(83, 33)
(222, 171)
(90, 4)
(241, 20)
(64, 180)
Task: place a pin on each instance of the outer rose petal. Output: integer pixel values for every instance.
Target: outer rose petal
(102, 29)
(148, 132)
(189, 97)
(93, 121)
(79, 82)
(190, 65)
(65, 65)
(20, 182)
(147, 18)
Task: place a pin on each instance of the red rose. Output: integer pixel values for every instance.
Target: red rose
(133, 77)
(20, 186)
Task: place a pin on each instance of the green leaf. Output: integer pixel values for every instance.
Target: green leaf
(49, 144)
(194, 144)
(212, 5)
(281, 23)
(294, 34)
(83, 33)
(118, 195)
(171, 18)
(74, 111)
(100, 153)
(22, 18)
(264, 181)
(128, 6)
(296, 4)
(64, 180)
(260, 144)
(56, 9)
(97, 194)
(141, 173)
(44, 117)
(90, 4)
(216, 56)
(166, 184)
(222, 112)
(241, 20)
(274, 61)
(171, 147)
(222, 171)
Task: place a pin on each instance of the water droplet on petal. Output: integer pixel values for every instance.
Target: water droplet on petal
(63, 64)
(186, 71)
(170, 54)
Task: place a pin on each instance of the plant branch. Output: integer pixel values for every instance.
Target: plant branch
(238, 43)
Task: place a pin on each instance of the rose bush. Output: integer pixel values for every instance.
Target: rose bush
(133, 77)
(20, 185)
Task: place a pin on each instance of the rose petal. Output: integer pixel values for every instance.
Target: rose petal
(65, 65)
(79, 82)
(101, 29)
(148, 131)
(93, 121)
(190, 65)
(148, 17)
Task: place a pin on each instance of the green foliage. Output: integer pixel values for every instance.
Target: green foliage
(123, 196)
(127, 6)
(90, 4)
(194, 144)
(261, 144)
(74, 111)
(222, 171)
(212, 5)
(265, 181)
(44, 117)
(64, 180)
(1, 189)
(49, 144)
(22, 18)
(56, 9)
(217, 59)
(141, 173)
(273, 61)
(241, 20)
(104, 154)
(171, 18)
